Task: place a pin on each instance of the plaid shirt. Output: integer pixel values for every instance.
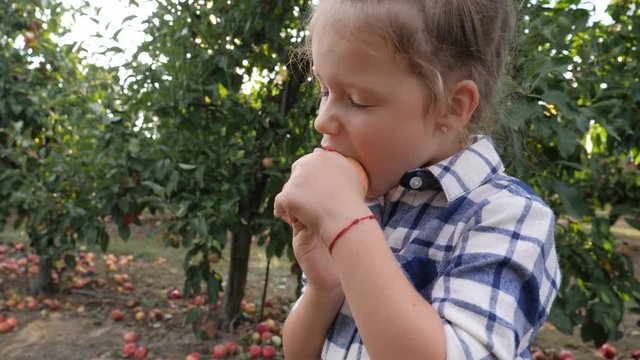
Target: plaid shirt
(479, 248)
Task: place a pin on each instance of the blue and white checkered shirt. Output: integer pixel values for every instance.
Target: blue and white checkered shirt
(479, 248)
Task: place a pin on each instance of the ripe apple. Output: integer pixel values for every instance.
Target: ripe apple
(175, 295)
(538, 355)
(250, 308)
(262, 327)
(268, 351)
(219, 351)
(139, 315)
(130, 337)
(194, 356)
(255, 351)
(267, 162)
(608, 351)
(128, 219)
(12, 321)
(636, 355)
(5, 327)
(141, 353)
(213, 258)
(267, 335)
(128, 286)
(271, 324)
(232, 347)
(566, 355)
(129, 349)
(116, 314)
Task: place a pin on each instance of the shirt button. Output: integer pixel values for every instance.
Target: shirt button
(415, 182)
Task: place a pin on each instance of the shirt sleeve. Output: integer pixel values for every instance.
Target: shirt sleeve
(498, 287)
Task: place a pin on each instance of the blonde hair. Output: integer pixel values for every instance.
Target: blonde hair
(441, 41)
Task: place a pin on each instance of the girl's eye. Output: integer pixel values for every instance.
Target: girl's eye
(357, 105)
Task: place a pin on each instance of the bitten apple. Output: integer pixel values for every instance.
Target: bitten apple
(364, 178)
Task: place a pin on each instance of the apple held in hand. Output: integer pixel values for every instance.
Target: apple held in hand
(364, 178)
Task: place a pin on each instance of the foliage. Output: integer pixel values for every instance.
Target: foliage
(57, 124)
(576, 98)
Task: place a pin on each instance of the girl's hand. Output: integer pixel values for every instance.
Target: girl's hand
(314, 259)
(324, 194)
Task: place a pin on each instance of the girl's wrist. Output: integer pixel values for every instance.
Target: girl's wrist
(341, 221)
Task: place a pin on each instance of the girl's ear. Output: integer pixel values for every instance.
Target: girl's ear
(464, 101)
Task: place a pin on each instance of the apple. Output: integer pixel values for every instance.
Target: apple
(232, 347)
(194, 356)
(2, 249)
(268, 303)
(139, 315)
(128, 219)
(276, 341)
(5, 327)
(608, 351)
(175, 295)
(636, 355)
(130, 337)
(213, 258)
(129, 349)
(255, 351)
(198, 300)
(566, 355)
(250, 308)
(538, 355)
(262, 327)
(12, 321)
(156, 315)
(267, 335)
(267, 162)
(219, 351)
(268, 351)
(271, 324)
(128, 286)
(141, 353)
(116, 314)
(255, 337)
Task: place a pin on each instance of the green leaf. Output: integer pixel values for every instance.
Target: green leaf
(572, 199)
(124, 231)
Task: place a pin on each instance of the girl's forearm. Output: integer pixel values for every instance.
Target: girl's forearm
(306, 327)
(394, 321)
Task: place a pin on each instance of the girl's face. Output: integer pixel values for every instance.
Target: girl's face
(373, 109)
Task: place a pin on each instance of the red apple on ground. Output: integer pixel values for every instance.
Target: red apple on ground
(130, 337)
(219, 351)
(129, 349)
(538, 355)
(175, 295)
(262, 327)
(193, 356)
(5, 327)
(608, 351)
(232, 347)
(566, 355)
(128, 286)
(141, 353)
(267, 335)
(12, 321)
(255, 351)
(268, 351)
(636, 355)
(116, 314)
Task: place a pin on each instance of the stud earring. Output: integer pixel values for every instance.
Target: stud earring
(444, 129)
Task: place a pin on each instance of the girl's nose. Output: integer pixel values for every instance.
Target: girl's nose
(327, 122)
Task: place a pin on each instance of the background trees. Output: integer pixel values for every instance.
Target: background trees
(187, 136)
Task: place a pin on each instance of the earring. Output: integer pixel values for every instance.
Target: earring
(444, 129)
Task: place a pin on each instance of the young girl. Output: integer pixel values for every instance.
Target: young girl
(447, 257)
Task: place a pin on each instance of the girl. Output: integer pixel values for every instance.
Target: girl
(447, 257)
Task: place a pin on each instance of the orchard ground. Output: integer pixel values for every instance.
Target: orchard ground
(82, 326)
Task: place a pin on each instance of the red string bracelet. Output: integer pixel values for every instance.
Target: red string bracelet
(346, 228)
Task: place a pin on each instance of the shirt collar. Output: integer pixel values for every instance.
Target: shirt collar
(468, 169)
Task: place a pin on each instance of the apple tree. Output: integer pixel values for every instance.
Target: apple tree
(224, 109)
(570, 131)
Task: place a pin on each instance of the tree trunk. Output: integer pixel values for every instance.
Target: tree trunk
(43, 282)
(238, 269)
